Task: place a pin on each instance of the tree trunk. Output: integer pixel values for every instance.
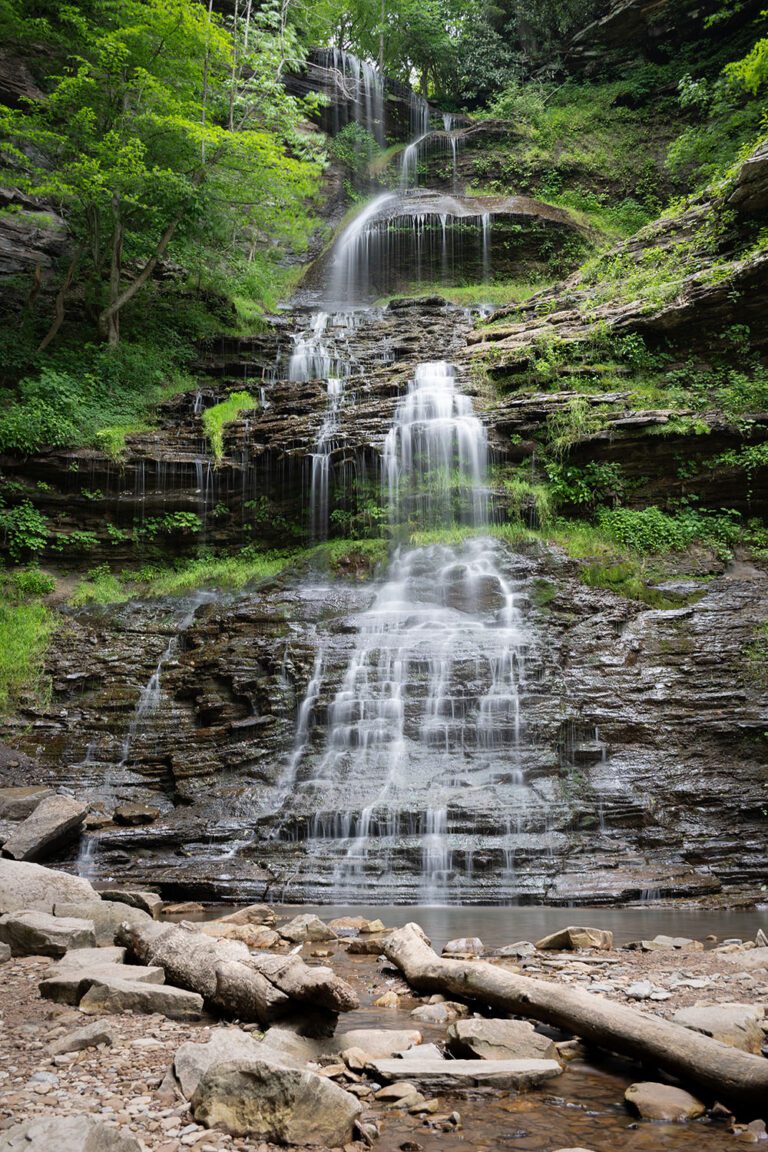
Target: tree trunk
(112, 315)
(58, 307)
(113, 310)
(726, 1074)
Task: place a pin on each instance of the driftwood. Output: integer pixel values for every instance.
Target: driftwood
(726, 1074)
(252, 986)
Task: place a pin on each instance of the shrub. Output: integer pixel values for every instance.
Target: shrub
(24, 529)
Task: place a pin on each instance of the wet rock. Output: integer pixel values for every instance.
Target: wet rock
(135, 815)
(753, 1133)
(186, 908)
(306, 929)
(91, 1036)
(456, 1075)
(366, 947)
(387, 1000)
(378, 1042)
(499, 1040)
(67, 1134)
(18, 803)
(225, 1045)
(443, 1013)
(253, 914)
(735, 1024)
(371, 927)
(24, 886)
(148, 902)
(464, 946)
(68, 985)
(110, 994)
(39, 934)
(663, 1102)
(274, 1103)
(106, 916)
(575, 938)
(54, 822)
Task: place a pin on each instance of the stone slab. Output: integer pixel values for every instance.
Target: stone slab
(455, 1075)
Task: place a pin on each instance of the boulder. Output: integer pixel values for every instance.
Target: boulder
(443, 1013)
(574, 938)
(25, 885)
(186, 908)
(274, 1103)
(106, 915)
(252, 935)
(133, 815)
(110, 995)
(18, 803)
(663, 1102)
(55, 822)
(366, 946)
(672, 943)
(148, 902)
(66, 985)
(499, 1040)
(347, 925)
(91, 1036)
(290, 1048)
(253, 914)
(464, 946)
(735, 1024)
(306, 929)
(225, 1045)
(38, 934)
(372, 927)
(455, 1075)
(67, 1134)
(377, 1042)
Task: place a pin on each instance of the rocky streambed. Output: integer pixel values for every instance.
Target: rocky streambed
(398, 1069)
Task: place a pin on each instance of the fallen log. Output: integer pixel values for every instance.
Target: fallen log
(251, 986)
(727, 1074)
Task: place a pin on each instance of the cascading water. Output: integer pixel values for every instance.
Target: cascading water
(321, 462)
(432, 685)
(354, 86)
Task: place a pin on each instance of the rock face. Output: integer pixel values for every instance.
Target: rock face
(273, 1103)
(663, 1102)
(67, 1134)
(734, 1024)
(55, 820)
(38, 934)
(499, 1040)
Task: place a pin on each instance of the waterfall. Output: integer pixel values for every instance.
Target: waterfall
(321, 462)
(407, 720)
(360, 87)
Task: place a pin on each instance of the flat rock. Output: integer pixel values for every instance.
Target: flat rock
(91, 1036)
(253, 914)
(574, 938)
(663, 1102)
(148, 902)
(274, 1103)
(106, 915)
(737, 1025)
(18, 803)
(453, 1075)
(671, 943)
(499, 1040)
(25, 885)
(377, 1042)
(306, 928)
(69, 985)
(88, 957)
(191, 1061)
(67, 1134)
(112, 995)
(39, 934)
(55, 822)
